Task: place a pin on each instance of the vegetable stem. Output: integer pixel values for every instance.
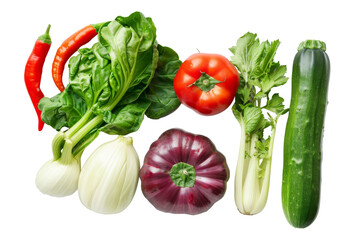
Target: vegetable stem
(79, 124)
(96, 120)
(266, 167)
(61, 137)
(86, 129)
(239, 176)
(251, 182)
(255, 62)
(272, 139)
(57, 145)
(82, 127)
(67, 156)
(252, 179)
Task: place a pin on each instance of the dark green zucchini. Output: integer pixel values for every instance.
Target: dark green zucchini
(304, 133)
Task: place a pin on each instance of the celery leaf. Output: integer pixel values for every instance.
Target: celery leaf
(252, 116)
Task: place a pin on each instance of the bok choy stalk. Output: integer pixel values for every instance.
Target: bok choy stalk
(259, 74)
(112, 86)
(109, 177)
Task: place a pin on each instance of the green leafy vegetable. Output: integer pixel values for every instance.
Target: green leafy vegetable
(62, 110)
(112, 85)
(125, 119)
(259, 75)
(161, 91)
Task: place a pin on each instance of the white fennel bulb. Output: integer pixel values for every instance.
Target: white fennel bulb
(58, 179)
(109, 177)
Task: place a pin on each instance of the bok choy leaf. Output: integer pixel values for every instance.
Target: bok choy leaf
(112, 86)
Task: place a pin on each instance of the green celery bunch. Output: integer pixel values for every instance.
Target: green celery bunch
(256, 110)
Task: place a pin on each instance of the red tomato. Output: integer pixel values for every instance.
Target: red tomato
(207, 83)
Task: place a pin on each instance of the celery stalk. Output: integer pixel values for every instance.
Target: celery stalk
(259, 74)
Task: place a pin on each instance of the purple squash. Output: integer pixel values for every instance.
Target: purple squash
(183, 173)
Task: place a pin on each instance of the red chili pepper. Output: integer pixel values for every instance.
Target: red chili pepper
(33, 71)
(68, 48)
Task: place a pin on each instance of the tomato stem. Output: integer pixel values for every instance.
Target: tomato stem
(205, 82)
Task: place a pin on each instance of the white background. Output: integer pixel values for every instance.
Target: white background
(210, 26)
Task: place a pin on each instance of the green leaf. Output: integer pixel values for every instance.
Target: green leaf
(143, 80)
(275, 104)
(262, 124)
(260, 95)
(242, 47)
(130, 42)
(80, 73)
(161, 92)
(115, 38)
(244, 94)
(265, 61)
(255, 61)
(277, 73)
(142, 26)
(90, 74)
(236, 112)
(101, 75)
(246, 54)
(252, 116)
(252, 58)
(62, 110)
(262, 147)
(50, 113)
(126, 118)
(274, 78)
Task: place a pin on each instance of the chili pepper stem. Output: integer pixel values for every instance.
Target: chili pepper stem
(98, 26)
(45, 38)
